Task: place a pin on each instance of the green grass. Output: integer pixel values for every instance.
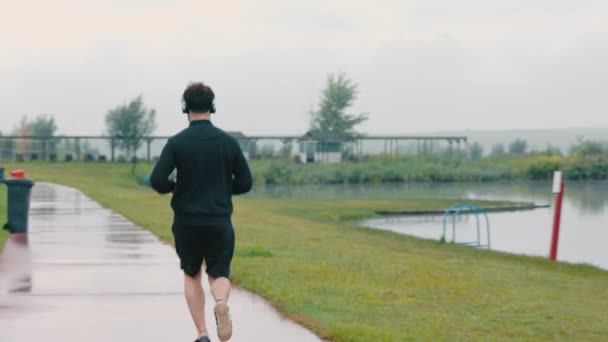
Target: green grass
(349, 283)
(431, 168)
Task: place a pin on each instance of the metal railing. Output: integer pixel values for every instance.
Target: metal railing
(104, 148)
(456, 210)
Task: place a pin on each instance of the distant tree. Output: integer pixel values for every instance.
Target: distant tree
(498, 150)
(23, 129)
(552, 151)
(588, 148)
(44, 126)
(128, 124)
(339, 94)
(475, 151)
(518, 147)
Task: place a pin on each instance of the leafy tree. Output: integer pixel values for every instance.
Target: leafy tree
(475, 151)
(23, 129)
(128, 124)
(331, 116)
(518, 147)
(44, 126)
(588, 148)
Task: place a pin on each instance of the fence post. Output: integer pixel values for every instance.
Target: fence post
(112, 146)
(148, 141)
(558, 190)
(77, 141)
(44, 149)
(396, 148)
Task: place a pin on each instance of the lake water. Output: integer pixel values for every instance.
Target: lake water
(584, 228)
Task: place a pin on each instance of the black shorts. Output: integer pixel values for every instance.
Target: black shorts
(213, 244)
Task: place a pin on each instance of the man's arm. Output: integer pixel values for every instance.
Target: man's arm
(241, 182)
(159, 180)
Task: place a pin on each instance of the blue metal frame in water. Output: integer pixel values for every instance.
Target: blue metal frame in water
(456, 209)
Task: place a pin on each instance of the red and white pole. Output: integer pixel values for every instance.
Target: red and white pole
(558, 190)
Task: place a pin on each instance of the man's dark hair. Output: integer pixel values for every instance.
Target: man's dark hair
(198, 98)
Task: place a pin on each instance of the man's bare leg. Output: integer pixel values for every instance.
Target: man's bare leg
(220, 289)
(195, 297)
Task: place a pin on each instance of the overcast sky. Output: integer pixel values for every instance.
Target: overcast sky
(421, 65)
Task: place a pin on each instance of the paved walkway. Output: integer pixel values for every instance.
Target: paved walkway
(85, 273)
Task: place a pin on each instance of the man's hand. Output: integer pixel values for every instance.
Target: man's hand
(174, 181)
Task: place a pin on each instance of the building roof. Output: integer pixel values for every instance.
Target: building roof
(317, 134)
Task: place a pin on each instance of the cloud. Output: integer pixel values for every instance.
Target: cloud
(445, 84)
(421, 65)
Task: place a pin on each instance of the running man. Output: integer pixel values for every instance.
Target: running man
(210, 169)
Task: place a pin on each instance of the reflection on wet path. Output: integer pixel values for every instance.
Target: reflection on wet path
(85, 273)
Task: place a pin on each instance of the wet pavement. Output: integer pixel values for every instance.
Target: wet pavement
(85, 273)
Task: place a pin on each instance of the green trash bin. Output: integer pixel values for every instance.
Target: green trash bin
(18, 204)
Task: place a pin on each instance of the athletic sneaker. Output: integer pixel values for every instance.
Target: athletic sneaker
(203, 339)
(223, 321)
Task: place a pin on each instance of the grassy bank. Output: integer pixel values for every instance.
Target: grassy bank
(349, 283)
(438, 168)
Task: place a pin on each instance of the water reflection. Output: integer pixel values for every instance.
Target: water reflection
(15, 265)
(129, 241)
(528, 232)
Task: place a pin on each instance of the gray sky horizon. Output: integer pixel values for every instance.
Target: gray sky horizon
(421, 66)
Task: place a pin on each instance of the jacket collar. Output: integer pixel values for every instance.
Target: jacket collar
(200, 123)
